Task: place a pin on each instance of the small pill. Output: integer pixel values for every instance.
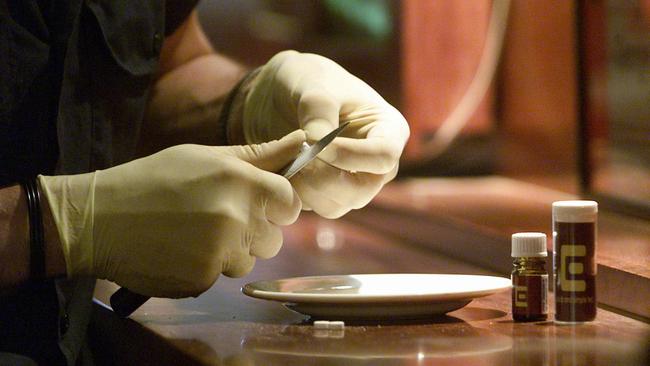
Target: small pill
(321, 324)
(336, 325)
(321, 333)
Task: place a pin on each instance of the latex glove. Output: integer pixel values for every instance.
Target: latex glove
(296, 90)
(167, 225)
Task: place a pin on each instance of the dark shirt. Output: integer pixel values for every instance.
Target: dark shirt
(74, 79)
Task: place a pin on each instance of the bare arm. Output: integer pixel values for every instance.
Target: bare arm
(189, 93)
(14, 239)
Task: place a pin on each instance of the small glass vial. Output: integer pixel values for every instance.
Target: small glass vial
(529, 277)
(574, 260)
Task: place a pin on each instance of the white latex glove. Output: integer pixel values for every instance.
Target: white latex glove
(167, 225)
(306, 91)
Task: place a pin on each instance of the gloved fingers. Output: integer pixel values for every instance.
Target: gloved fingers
(257, 239)
(348, 189)
(376, 135)
(281, 202)
(266, 240)
(332, 192)
(377, 155)
(329, 209)
(325, 206)
(310, 182)
(390, 175)
(238, 264)
(318, 112)
(270, 156)
(277, 197)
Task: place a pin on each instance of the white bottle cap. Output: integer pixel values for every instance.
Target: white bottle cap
(529, 245)
(575, 211)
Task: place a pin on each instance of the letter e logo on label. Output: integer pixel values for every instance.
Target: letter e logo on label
(567, 253)
(521, 297)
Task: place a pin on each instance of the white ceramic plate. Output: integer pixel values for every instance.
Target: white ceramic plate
(377, 296)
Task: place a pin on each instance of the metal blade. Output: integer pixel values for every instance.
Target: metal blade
(308, 153)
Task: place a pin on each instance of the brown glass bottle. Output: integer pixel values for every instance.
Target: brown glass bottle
(529, 277)
(574, 260)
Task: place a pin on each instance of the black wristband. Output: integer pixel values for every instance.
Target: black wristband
(224, 116)
(36, 236)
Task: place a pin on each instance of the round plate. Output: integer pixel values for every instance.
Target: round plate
(377, 296)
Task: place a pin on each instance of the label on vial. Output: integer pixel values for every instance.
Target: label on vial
(575, 272)
(529, 295)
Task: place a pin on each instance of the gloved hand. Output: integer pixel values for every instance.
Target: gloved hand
(167, 225)
(306, 91)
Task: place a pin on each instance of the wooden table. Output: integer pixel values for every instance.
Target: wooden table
(225, 327)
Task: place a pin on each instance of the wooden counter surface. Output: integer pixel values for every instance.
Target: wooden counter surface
(225, 327)
(472, 219)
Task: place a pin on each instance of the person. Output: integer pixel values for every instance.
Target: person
(132, 151)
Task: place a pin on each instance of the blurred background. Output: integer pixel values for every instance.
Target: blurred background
(553, 92)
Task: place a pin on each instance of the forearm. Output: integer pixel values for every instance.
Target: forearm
(186, 103)
(189, 94)
(14, 239)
